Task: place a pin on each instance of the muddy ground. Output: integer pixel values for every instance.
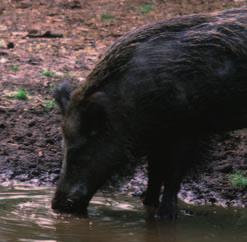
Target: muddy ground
(44, 42)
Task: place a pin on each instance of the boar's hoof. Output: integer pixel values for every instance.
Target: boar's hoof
(167, 214)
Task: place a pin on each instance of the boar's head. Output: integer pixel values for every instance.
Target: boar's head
(92, 147)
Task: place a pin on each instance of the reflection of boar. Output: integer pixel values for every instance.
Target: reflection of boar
(161, 90)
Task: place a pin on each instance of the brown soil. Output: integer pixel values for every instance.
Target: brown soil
(66, 37)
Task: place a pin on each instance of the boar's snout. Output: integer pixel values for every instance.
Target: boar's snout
(73, 202)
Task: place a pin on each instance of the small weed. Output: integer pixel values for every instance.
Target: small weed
(238, 180)
(21, 94)
(52, 87)
(49, 104)
(47, 73)
(15, 68)
(106, 17)
(146, 8)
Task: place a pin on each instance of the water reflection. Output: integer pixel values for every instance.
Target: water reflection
(160, 232)
(25, 215)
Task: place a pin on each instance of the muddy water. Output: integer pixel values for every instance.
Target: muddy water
(25, 215)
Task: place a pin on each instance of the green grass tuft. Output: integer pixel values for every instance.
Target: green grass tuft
(15, 68)
(21, 94)
(106, 17)
(49, 104)
(238, 180)
(48, 73)
(146, 8)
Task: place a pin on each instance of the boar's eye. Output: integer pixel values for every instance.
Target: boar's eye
(95, 121)
(75, 141)
(93, 133)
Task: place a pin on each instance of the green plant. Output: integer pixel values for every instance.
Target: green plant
(47, 73)
(146, 8)
(238, 180)
(106, 17)
(20, 94)
(14, 68)
(52, 87)
(49, 104)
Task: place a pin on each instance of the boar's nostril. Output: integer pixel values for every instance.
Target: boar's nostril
(74, 201)
(63, 205)
(69, 202)
(70, 205)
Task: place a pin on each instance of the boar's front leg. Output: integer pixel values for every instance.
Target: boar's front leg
(168, 204)
(168, 170)
(155, 180)
(185, 152)
(159, 175)
(167, 208)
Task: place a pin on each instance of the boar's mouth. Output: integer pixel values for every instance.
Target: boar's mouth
(64, 204)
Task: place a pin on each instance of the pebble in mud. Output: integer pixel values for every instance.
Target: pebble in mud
(2, 126)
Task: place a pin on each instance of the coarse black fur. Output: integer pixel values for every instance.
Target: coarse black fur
(159, 91)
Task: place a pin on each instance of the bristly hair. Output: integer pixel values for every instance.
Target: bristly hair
(206, 27)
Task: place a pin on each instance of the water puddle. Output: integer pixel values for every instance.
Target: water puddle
(26, 216)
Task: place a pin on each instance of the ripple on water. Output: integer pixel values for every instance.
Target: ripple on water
(26, 215)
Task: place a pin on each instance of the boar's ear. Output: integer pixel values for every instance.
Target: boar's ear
(62, 95)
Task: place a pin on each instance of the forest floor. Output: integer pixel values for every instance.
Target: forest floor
(45, 42)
